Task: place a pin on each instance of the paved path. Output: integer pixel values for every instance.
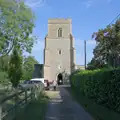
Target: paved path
(63, 107)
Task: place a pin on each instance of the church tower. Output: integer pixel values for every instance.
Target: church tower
(59, 52)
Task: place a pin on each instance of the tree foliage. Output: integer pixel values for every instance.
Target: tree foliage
(95, 64)
(4, 63)
(15, 67)
(16, 25)
(107, 50)
(28, 67)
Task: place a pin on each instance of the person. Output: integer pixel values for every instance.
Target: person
(54, 84)
(48, 83)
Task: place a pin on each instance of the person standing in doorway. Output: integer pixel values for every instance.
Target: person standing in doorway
(54, 84)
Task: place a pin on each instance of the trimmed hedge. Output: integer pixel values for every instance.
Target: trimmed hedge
(102, 85)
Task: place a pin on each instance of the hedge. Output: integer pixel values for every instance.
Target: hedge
(102, 85)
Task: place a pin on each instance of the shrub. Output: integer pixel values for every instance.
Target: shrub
(3, 77)
(102, 85)
(15, 68)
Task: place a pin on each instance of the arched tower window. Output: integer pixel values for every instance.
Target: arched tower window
(60, 32)
(59, 52)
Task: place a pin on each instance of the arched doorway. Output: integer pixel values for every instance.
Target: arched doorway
(60, 79)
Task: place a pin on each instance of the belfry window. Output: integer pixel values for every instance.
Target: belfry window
(60, 32)
(59, 52)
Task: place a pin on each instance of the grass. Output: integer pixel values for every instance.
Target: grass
(97, 111)
(35, 110)
(52, 94)
(5, 90)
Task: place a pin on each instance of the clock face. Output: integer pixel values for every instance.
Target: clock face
(59, 67)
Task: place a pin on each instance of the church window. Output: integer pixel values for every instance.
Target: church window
(59, 52)
(60, 32)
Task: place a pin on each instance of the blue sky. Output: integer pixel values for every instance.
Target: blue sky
(87, 17)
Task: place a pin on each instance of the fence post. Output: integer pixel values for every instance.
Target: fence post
(16, 101)
(0, 111)
(35, 93)
(32, 93)
(26, 96)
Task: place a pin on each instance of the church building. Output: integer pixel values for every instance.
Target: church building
(59, 52)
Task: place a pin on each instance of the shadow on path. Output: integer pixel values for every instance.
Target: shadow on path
(63, 107)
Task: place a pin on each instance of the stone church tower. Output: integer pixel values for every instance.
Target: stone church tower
(59, 52)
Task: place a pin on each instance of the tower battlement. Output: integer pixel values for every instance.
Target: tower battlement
(60, 21)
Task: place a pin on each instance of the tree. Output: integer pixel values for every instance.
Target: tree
(16, 25)
(4, 63)
(107, 50)
(28, 67)
(15, 67)
(95, 64)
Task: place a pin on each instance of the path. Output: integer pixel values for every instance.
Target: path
(63, 107)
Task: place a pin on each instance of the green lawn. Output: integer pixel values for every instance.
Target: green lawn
(97, 111)
(35, 110)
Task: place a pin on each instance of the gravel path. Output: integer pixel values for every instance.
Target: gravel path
(63, 107)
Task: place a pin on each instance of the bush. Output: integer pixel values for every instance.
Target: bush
(15, 68)
(3, 77)
(102, 85)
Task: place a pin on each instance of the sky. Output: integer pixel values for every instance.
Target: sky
(88, 16)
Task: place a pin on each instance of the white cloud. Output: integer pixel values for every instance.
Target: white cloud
(39, 46)
(88, 3)
(91, 42)
(78, 42)
(34, 3)
(80, 59)
(38, 50)
(79, 45)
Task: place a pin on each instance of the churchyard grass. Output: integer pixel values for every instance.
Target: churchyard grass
(35, 110)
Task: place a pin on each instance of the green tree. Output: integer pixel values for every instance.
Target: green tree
(107, 50)
(28, 67)
(15, 67)
(16, 25)
(4, 63)
(95, 64)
